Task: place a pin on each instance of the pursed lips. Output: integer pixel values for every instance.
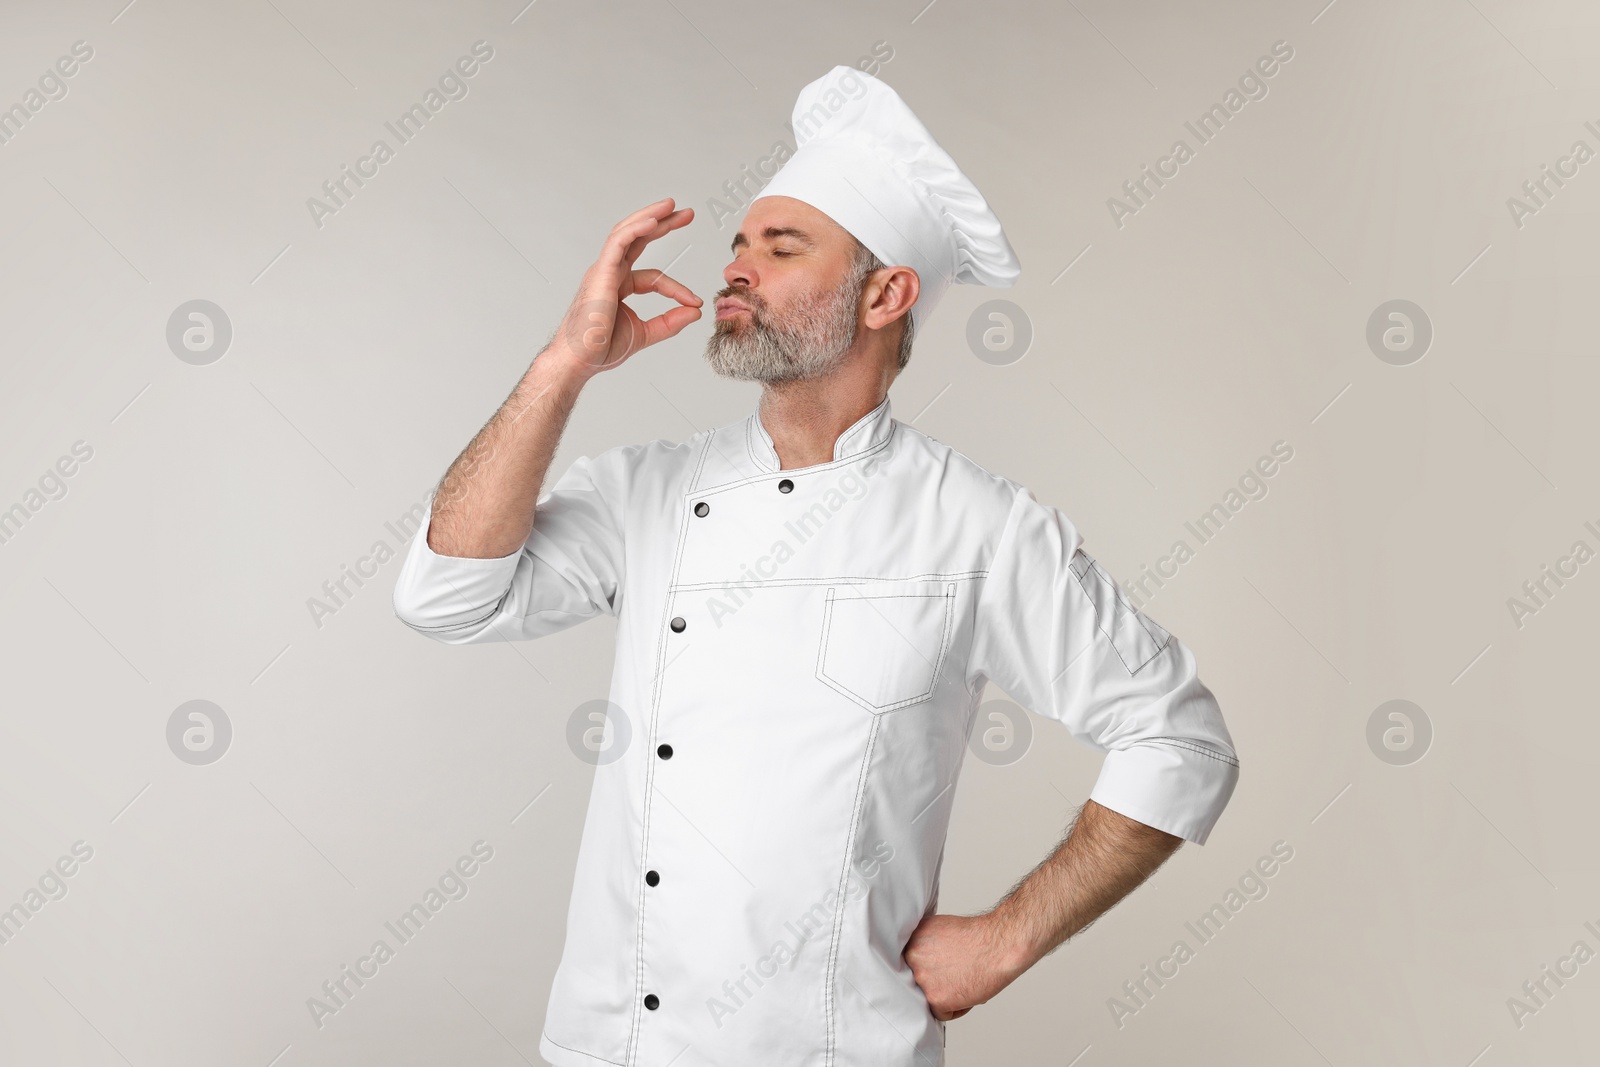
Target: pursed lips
(727, 307)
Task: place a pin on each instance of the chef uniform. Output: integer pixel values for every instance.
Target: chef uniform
(800, 658)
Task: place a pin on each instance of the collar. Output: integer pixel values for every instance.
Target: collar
(865, 434)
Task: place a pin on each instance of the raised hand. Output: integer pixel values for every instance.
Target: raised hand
(599, 331)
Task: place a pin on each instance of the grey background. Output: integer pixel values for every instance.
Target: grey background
(1228, 314)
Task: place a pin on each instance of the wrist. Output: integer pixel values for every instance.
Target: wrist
(1017, 947)
(559, 367)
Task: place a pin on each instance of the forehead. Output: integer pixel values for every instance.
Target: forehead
(782, 213)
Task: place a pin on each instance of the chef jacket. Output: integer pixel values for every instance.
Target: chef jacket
(800, 656)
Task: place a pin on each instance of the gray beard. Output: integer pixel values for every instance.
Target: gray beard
(810, 343)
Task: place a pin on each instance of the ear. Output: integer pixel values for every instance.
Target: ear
(888, 295)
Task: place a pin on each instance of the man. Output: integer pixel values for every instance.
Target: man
(810, 603)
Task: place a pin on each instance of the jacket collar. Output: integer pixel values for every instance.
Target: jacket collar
(868, 432)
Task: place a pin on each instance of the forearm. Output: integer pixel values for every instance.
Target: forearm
(484, 505)
(1104, 857)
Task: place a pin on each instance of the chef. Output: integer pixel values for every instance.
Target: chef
(810, 602)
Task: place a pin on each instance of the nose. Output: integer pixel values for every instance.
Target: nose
(738, 273)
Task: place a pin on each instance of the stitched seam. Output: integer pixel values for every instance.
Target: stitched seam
(1191, 746)
(844, 874)
(1101, 626)
(845, 579)
(1161, 642)
(1099, 623)
(650, 776)
(579, 1051)
(801, 472)
(699, 467)
(948, 596)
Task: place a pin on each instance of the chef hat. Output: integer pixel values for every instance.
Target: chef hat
(867, 162)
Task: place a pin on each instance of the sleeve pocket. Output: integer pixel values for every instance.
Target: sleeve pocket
(1136, 638)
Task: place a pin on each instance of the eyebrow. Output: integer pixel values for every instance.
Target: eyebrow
(772, 232)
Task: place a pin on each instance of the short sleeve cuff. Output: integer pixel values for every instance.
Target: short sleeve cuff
(1172, 784)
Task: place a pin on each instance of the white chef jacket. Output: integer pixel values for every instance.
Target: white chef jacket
(800, 656)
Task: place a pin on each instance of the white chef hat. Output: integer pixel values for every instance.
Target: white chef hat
(865, 160)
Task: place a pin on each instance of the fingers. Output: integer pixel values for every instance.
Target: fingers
(668, 324)
(628, 238)
(655, 281)
(665, 225)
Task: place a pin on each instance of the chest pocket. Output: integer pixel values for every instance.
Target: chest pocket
(883, 644)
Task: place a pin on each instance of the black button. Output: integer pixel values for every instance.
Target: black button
(664, 751)
(651, 878)
(702, 509)
(678, 624)
(786, 486)
(652, 1001)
